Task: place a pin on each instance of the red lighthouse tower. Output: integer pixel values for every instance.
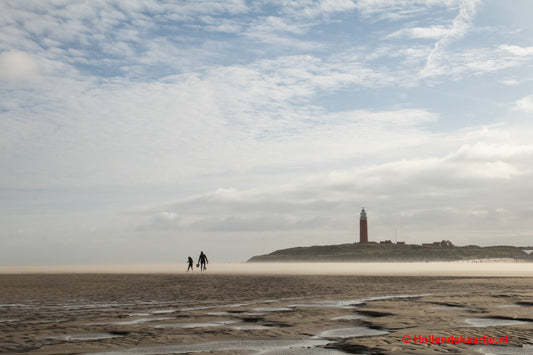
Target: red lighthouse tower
(363, 227)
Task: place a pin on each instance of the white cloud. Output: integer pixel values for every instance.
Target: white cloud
(510, 82)
(397, 118)
(18, 66)
(263, 223)
(460, 63)
(518, 51)
(165, 221)
(460, 191)
(215, 24)
(280, 31)
(460, 25)
(525, 104)
(395, 10)
(493, 151)
(433, 32)
(312, 9)
(201, 121)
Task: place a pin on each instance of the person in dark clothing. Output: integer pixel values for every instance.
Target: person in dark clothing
(202, 260)
(190, 262)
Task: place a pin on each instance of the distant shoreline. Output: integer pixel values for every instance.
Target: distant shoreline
(391, 252)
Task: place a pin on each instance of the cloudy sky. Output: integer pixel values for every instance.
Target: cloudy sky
(146, 131)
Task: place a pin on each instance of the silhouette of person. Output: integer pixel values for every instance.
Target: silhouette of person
(190, 262)
(202, 260)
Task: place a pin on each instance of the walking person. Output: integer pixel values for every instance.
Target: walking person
(190, 262)
(202, 260)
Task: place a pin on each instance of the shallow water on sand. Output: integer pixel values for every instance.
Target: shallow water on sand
(196, 325)
(492, 322)
(352, 332)
(250, 346)
(511, 350)
(87, 336)
(349, 317)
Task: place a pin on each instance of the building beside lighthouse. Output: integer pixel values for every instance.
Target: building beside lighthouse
(363, 227)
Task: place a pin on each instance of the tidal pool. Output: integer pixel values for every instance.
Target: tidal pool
(492, 322)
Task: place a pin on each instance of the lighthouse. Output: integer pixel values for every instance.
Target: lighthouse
(363, 227)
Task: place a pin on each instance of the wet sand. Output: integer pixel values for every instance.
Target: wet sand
(248, 314)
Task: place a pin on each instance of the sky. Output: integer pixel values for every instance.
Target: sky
(147, 131)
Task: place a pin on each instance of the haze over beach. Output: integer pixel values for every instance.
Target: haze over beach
(477, 268)
(144, 132)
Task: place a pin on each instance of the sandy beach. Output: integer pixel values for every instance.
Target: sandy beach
(239, 313)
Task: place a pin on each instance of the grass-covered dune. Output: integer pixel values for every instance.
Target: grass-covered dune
(387, 252)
